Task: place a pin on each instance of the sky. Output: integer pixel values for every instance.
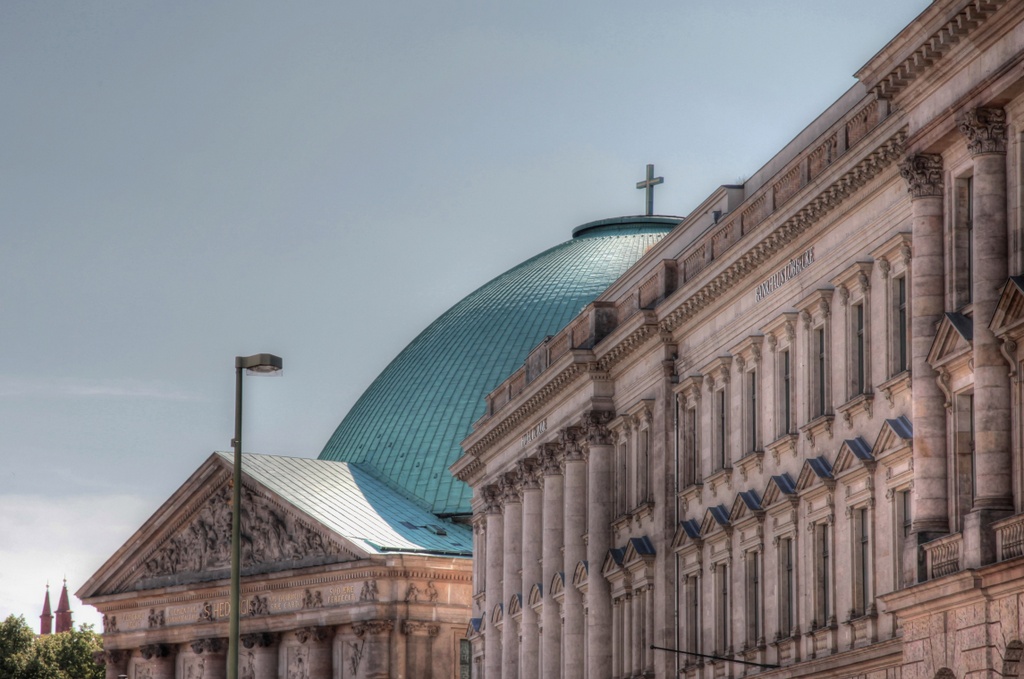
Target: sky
(182, 183)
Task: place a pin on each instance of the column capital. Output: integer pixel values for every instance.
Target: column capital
(985, 129)
(209, 645)
(923, 174)
(150, 651)
(492, 498)
(411, 627)
(511, 487)
(311, 633)
(595, 424)
(550, 455)
(260, 639)
(373, 627)
(572, 439)
(529, 469)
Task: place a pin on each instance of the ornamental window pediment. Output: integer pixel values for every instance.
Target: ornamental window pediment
(536, 596)
(746, 505)
(895, 435)
(854, 455)
(716, 523)
(816, 472)
(779, 487)
(953, 343)
(1008, 318)
(580, 575)
(558, 587)
(687, 536)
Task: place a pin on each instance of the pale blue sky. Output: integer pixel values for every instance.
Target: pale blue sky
(184, 182)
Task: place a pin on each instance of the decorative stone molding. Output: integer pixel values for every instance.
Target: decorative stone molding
(492, 498)
(551, 461)
(572, 443)
(529, 469)
(312, 599)
(411, 627)
(209, 645)
(259, 605)
(312, 633)
(923, 174)
(206, 612)
(156, 619)
(373, 627)
(259, 639)
(150, 651)
(985, 129)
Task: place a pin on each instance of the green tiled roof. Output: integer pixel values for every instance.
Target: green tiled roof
(355, 505)
(407, 426)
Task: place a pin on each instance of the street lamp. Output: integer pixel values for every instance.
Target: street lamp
(258, 364)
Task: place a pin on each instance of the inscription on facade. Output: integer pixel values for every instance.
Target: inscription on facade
(532, 435)
(790, 270)
(341, 595)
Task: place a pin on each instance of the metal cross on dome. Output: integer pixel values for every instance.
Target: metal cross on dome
(649, 185)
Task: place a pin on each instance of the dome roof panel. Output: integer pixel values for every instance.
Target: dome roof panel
(407, 426)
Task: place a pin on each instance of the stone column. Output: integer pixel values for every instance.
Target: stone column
(923, 173)
(575, 515)
(492, 595)
(372, 652)
(208, 658)
(257, 659)
(512, 584)
(159, 660)
(116, 663)
(985, 130)
(600, 505)
(551, 465)
(419, 657)
(530, 473)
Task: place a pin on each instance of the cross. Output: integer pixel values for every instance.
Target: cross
(649, 184)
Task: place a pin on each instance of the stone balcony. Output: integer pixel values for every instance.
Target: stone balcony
(1009, 537)
(944, 556)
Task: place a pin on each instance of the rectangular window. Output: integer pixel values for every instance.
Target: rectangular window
(859, 349)
(693, 614)
(861, 563)
(722, 432)
(787, 591)
(963, 241)
(903, 525)
(620, 479)
(465, 659)
(820, 362)
(691, 451)
(753, 439)
(900, 294)
(823, 579)
(964, 447)
(643, 485)
(787, 393)
(754, 613)
(723, 615)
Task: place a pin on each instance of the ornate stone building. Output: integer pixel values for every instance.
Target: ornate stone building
(790, 439)
(341, 577)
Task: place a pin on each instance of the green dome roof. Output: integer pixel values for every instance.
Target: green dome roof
(407, 426)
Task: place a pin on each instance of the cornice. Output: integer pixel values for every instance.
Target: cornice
(818, 207)
(934, 48)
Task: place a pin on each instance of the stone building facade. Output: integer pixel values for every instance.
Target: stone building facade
(341, 577)
(789, 440)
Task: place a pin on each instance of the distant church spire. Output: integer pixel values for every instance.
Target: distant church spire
(64, 623)
(46, 619)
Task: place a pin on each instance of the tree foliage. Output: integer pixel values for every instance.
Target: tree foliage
(68, 655)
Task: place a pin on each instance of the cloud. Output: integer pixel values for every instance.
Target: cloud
(12, 387)
(45, 539)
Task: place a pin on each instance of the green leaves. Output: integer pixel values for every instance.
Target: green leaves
(68, 655)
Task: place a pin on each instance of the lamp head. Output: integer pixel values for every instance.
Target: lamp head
(259, 364)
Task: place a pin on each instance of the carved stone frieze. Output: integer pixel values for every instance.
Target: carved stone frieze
(923, 174)
(368, 591)
(156, 618)
(985, 130)
(109, 624)
(373, 627)
(412, 593)
(269, 535)
(312, 599)
(258, 605)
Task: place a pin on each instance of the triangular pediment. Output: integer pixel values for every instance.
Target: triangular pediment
(474, 627)
(688, 531)
(953, 339)
(896, 433)
(815, 469)
(557, 583)
(853, 453)
(638, 550)
(778, 487)
(1009, 313)
(188, 539)
(716, 518)
(746, 504)
(613, 561)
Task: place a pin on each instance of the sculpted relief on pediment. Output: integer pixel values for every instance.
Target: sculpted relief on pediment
(272, 538)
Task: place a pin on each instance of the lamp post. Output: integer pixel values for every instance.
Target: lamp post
(258, 364)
